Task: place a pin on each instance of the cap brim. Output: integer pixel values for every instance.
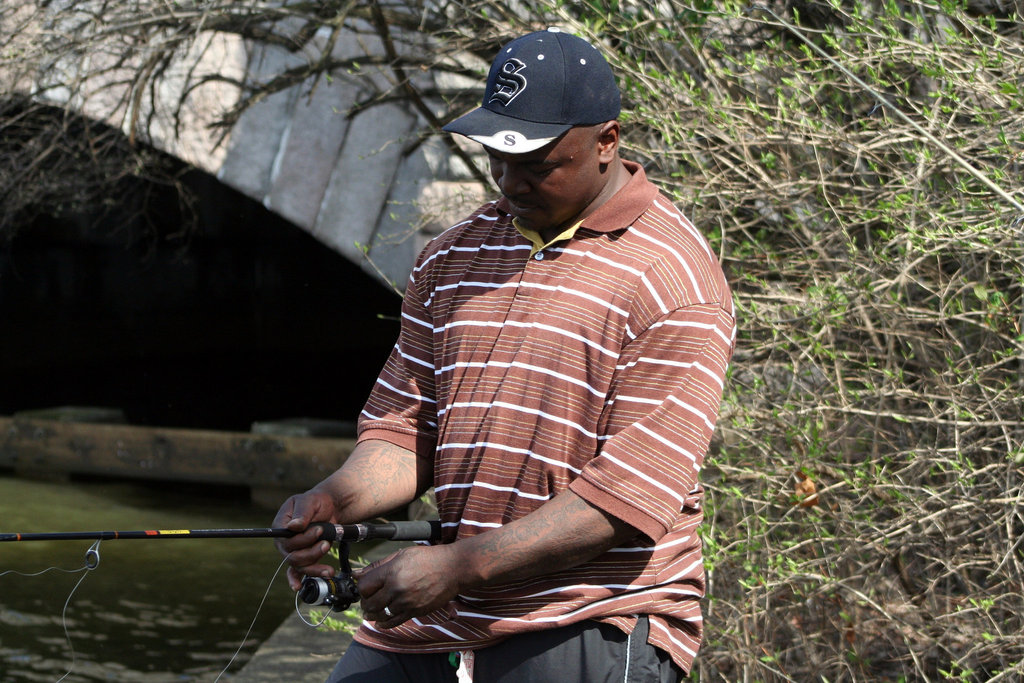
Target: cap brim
(504, 133)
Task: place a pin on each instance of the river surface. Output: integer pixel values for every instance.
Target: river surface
(152, 610)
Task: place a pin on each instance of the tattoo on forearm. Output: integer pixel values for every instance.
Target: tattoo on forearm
(380, 475)
(568, 533)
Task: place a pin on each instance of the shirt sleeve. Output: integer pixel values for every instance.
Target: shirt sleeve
(659, 418)
(402, 406)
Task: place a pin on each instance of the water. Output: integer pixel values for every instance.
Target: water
(152, 611)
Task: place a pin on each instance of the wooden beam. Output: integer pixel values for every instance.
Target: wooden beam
(284, 463)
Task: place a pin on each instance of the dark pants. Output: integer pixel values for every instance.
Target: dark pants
(588, 652)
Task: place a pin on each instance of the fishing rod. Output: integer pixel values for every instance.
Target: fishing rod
(338, 592)
(389, 531)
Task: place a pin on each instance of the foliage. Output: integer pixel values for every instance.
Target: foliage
(857, 165)
(879, 283)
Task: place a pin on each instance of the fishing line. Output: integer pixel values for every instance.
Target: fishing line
(256, 616)
(307, 622)
(92, 560)
(342, 587)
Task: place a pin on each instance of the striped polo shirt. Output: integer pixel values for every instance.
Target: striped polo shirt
(595, 364)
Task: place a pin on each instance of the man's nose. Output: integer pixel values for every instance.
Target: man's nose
(511, 180)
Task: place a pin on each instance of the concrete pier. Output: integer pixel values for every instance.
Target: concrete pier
(295, 653)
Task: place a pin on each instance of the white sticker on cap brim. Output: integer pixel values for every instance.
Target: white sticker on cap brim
(510, 141)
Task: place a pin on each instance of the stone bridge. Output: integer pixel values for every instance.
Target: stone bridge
(251, 323)
(369, 180)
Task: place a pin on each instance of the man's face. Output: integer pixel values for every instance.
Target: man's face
(556, 185)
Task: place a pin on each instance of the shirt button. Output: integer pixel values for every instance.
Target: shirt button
(539, 256)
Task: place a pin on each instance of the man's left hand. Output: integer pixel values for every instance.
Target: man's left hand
(410, 583)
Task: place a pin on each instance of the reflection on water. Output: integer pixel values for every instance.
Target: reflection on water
(153, 610)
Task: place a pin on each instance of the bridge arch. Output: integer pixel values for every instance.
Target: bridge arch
(311, 173)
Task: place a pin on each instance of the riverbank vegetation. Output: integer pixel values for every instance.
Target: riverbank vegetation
(859, 167)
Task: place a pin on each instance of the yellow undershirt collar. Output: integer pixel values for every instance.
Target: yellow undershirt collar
(538, 242)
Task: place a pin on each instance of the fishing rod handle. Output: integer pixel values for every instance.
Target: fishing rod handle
(391, 531)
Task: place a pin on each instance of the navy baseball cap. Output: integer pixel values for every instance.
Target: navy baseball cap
(540, 85)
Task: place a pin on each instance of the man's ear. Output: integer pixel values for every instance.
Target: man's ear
(608, 142)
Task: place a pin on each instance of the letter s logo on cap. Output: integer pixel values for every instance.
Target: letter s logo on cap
(509, 83)
(510, 140)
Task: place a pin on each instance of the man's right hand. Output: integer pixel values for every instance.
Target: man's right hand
(305, 549)
(377, 478)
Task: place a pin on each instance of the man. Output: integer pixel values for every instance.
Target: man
(556, 379)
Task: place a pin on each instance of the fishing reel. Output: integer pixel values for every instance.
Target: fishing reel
(337, 592)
